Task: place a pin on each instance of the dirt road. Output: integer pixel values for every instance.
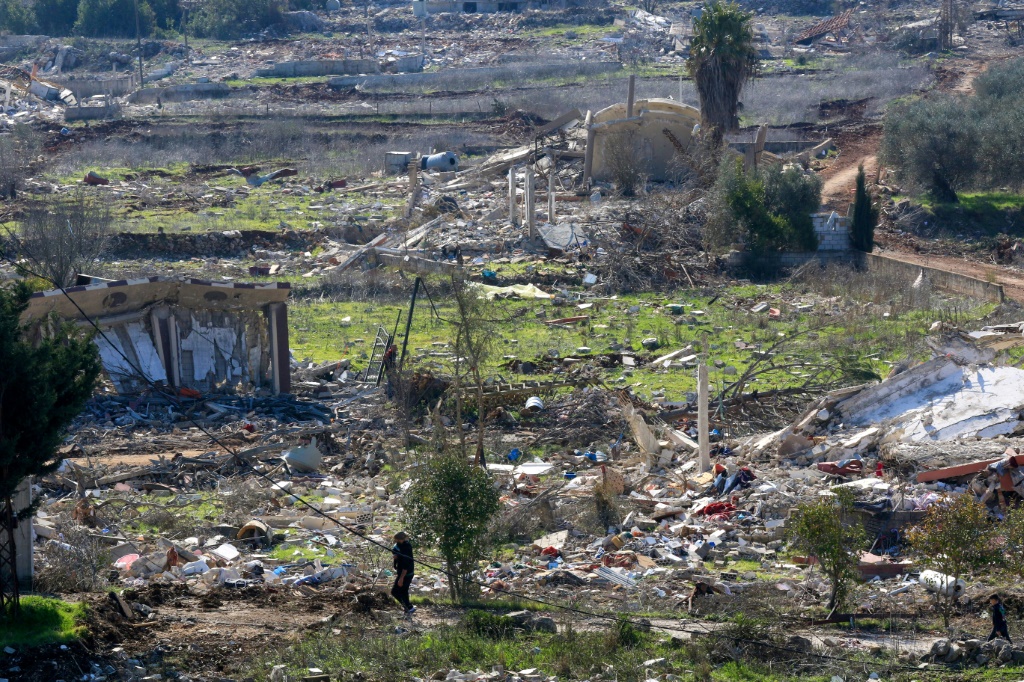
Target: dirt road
(856, 148)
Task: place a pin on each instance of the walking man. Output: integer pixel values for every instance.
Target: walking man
(999, 628)
(404, 569)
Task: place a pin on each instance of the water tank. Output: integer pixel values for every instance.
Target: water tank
(445, 161)
(942, 584)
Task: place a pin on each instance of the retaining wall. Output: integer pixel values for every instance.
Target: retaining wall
(940, 279)
(180, 93)
(93, 113)
(322, 67)
(84, 89)
(446, 76)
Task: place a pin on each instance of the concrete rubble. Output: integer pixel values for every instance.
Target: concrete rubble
(679, 527)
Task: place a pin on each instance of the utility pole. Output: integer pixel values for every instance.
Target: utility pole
(138, 41)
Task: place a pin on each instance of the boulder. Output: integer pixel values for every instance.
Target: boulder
(544, 624)
(940, 648)
(303, 21)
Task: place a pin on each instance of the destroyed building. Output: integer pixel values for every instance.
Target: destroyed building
(181, 332)
(660, 129)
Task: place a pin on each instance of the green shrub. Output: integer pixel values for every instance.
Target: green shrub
(113, 18)
(56, 17)
(488, 624)
(229, 19)
(769, 209)
(450, 506)
(15, 17)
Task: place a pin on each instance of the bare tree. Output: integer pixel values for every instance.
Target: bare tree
(629, 161)
(473, 343)
(61, 236)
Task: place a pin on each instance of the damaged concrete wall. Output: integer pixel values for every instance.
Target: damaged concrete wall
(180, 93)
(85, 88)
(320, 67)
(181, 333)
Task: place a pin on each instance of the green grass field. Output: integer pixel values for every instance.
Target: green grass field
(43, 620)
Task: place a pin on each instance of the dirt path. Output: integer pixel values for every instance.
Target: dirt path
(1012, 280)
(838, 190)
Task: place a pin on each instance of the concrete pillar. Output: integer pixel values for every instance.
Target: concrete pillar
(680, 89)
(703, 435)
(512, 217)
(531, 209)
(414, 186)
(551, 194)
(588, 155)
(280, 360)
(629, 97)
(165, 329)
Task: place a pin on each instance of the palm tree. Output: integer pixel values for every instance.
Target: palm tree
(722, 59)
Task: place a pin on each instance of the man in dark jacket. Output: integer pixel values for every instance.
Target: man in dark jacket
(404, 569)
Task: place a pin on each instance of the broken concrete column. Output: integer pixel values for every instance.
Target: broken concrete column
(280, 360)
(703, 437)
(512, 217)
(551, 194)
(531, 210)
(588, 156)
(630, 96)
(165, 331)
(414, 186)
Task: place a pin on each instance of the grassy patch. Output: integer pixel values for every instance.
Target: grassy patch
(977, 214)
(874, 334)
(43, 620)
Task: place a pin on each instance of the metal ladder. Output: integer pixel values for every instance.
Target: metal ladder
(375, 368)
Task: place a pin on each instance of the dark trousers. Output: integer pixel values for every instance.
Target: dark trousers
(1000, 630)
(401, 592)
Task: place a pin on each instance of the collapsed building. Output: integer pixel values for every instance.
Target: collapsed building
(655, 130)
(180, 332)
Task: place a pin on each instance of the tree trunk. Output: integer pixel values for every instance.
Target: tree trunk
(9, 589)
(481, 419)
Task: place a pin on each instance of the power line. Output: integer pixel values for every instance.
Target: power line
(353, 531)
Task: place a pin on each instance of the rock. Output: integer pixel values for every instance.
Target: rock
(651, 343)
(520, 618)
(940, 647)
(972, 644)
(1006, 654)
(1018, 656)
(303, 21)
(544, 624)
(799, 643)
(981, 659)
(333, 5)
(278, 674)
(954, 655)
